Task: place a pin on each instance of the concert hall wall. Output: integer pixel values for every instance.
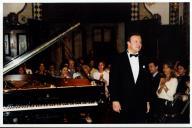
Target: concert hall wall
(164, 42)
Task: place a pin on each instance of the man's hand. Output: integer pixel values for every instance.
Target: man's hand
(148, 107)
(116, 106)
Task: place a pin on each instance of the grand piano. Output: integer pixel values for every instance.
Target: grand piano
(31, 99)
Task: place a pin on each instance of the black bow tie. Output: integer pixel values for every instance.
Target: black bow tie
(135, 55)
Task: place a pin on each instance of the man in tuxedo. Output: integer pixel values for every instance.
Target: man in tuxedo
(130, 83)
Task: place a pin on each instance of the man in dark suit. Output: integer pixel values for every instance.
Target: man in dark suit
(130, 84)
(155, 77)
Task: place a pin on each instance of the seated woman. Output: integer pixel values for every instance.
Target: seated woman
(92, 67)
(102, 75)
(86, 70)
(65, 72)
(166, 90)
(21, 70)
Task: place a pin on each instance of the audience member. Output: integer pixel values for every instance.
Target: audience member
(65, 72)
(52, 70)
(87, 70)
(71, 66)
(92, 67)
(182, 94)
(166, 91)
(41, 70)
(182, 77)
(21, 70)
(102, 75)
(155, 77)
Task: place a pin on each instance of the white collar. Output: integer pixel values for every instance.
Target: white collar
(155, 74)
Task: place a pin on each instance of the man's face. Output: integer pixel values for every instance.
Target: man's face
(71, 64)
(152, 68)
(41, 67)
(135, 45)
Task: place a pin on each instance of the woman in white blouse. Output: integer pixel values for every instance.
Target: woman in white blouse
(102, 75)
(167, 89)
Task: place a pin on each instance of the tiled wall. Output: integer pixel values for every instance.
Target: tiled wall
(37, 11)
(174, 13)
(134, 11)
(139, 12)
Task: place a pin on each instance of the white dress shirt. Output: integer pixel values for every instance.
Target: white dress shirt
(134, 62)
(172, 86)
(28, 71)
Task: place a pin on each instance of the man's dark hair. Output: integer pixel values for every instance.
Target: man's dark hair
(154, 61)
(132, 34)
(183, 64)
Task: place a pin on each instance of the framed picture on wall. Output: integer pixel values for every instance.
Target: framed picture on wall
(6, 45)
(22, 43)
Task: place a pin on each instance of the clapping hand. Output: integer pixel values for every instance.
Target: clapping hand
(162, 82)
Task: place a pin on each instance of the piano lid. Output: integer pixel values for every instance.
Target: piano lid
(23, 58)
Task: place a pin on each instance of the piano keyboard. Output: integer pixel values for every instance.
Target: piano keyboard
(48, 106)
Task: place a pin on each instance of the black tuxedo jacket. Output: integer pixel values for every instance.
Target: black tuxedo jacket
(131, 95)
